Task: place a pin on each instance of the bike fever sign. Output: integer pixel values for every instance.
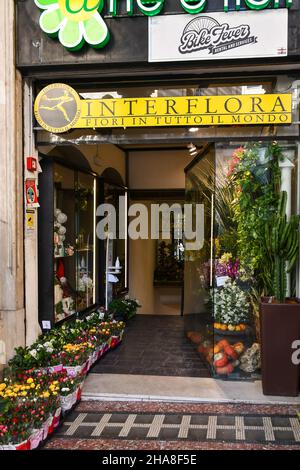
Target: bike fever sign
(234, 35)
(58, 108)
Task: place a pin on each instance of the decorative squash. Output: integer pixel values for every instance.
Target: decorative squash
(228, 369)
(223, 343)
(230, 351)
(220, 360)
(239, 348)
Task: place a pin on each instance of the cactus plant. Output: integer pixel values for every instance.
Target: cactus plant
(282, 248)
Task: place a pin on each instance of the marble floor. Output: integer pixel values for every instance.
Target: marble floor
(133, 425)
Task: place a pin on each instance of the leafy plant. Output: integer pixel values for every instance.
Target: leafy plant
(256, 193)
(124, 308)
(282, 246)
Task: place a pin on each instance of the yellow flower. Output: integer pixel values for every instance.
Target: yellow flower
(54, 393)
(2, 386)
(55, 382)
(32, 385)
(24, 394)
(30, 380)
(46, 394)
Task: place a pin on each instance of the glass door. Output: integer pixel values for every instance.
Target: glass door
(199, 254)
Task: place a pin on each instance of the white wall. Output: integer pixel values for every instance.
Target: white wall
(158, 169)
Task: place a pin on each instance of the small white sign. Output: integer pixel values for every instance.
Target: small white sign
(221, 280)
(46, 325)
(211, 36)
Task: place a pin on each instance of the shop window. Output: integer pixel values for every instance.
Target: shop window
(74, 247)
(68, 251)
(241, 186)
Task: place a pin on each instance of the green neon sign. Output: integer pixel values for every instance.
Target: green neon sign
(76, 22)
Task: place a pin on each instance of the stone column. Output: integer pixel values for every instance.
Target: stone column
(12, 317)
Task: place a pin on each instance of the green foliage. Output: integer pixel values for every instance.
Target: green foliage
(281, 240)
(124, 308)
(256, 182)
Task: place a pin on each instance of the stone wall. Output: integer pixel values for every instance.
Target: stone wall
(12, 314)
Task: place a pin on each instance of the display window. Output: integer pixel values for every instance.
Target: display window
(248, 190)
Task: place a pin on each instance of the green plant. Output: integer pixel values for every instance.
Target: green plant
(282, 245)
(124, 308)
(256, 193)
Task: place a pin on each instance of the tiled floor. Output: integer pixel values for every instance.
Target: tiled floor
(154, 345)
(97, 425)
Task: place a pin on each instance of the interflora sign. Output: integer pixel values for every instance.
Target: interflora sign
(218, 36)
(58, 108)
(76, 22)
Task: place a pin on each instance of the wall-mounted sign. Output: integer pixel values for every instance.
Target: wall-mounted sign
(30, 220)
(76, 22)
(31, 193)
(233, 35)
(58, 108)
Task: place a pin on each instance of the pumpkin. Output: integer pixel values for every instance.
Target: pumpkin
(220, 360)
(230, 351)
(195, 337)
(228, 369)
(231, 327)
(223, 343)
(239, 348)
(201, 349)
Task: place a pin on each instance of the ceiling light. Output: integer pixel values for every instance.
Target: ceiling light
(193, 129)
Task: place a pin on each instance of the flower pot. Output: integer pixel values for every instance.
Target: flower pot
(95, 356)
(114, 341)
(66, 402)
(55, 369)
(72, 371)
(35, 438)
(78, 394)
(25, 445)
(102, 350)
(56, 418)
(280, 327)
(46, 426)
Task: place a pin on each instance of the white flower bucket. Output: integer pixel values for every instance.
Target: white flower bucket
(35, 438)
(72, 371)
(46, 426)
(25, 445)
(66, 402)
(121, 335)
(95, 355)
(56, 418)
(55, 369)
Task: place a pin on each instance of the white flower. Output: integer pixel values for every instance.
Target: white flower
(65, 389)
(33, 353)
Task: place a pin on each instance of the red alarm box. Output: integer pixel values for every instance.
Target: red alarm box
(31, 164)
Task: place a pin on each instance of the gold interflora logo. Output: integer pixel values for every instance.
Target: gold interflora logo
(57, 108)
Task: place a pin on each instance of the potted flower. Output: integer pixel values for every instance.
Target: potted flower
(75, 357)
(70, 391)
(117, 330)
(231, 308)
(124, 309)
